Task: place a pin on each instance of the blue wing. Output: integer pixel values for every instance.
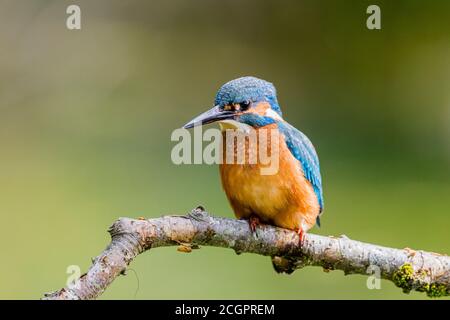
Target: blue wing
(303, 150)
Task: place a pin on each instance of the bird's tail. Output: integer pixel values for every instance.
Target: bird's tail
(283, 265)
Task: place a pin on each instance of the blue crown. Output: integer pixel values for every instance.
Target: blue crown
(247, 89)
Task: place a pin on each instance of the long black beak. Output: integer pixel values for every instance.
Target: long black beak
(210, 116)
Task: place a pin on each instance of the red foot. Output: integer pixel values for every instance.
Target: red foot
(253, 222)
(301, 236)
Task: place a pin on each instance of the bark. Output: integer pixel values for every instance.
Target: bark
(409, 269)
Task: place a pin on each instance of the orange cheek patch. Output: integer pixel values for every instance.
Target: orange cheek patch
(260, 108)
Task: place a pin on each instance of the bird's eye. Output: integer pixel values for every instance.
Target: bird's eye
(245, 105)
(236, 107)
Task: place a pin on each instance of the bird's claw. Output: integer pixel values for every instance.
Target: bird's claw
(253, 222)
(301, 236)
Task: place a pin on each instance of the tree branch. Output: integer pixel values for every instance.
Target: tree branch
(411, 270)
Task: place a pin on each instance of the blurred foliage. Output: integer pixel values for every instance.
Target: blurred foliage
(86, 118)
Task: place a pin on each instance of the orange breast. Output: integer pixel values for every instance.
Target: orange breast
(285, 199)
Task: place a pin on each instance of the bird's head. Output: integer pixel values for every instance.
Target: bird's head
(246, 101)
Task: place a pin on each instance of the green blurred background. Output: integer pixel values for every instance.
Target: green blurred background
(86, 118)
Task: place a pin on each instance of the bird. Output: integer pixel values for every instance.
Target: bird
(292, 197)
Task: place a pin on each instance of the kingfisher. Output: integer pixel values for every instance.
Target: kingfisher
(291, 197)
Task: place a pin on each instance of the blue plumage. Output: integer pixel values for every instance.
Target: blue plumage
(255, 120)
(303, 150)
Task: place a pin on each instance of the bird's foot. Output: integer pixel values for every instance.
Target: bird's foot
(253, 222)
(301, 236)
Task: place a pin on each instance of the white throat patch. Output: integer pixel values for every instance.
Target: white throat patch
(232, 124)
(272, 114)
